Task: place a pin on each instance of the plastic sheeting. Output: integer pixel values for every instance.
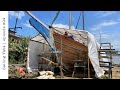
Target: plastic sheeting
(34, 50)
(93, 48)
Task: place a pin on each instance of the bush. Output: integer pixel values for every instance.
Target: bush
(17, 50)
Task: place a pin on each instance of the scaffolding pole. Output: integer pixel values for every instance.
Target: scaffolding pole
(83, 20)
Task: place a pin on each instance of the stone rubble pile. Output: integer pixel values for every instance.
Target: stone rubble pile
(46, 75)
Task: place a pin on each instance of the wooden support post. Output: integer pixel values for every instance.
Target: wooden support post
(88, 62)
(61, 72)
(110, 64)
(88, 68)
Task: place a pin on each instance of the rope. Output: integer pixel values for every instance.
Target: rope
(55, 17)
(78, 21)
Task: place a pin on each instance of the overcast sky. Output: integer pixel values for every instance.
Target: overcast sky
(106, 23)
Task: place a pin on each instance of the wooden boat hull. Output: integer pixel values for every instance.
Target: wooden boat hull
(71, 49)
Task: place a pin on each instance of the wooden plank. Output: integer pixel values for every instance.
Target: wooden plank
(105, 62)
(107, 46)
(50, 62)
(105, 50)
(104, 57)
(105, 43)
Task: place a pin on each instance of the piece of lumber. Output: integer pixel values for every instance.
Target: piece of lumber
(50, 62)
(104, 57)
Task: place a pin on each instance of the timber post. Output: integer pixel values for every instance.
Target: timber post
(61, 72)
(88, 61)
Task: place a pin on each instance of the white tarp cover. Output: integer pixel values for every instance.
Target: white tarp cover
(34, 50)
(93, 47)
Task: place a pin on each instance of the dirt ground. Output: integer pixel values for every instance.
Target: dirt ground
(116, 72)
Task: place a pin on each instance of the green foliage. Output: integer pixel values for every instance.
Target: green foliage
(17, 50)
(114, 52)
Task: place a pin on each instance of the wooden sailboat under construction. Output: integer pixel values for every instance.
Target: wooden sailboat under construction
(71, 49)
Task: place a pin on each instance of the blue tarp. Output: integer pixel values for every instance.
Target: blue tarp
(42, 30)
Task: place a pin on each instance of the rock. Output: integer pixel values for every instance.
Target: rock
(49, 76)
(46, 74)
(42, 73)
(50, 72)
(52, 78)
(46, 77)
(41, 77)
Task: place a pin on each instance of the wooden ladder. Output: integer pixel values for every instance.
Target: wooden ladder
(106, 48)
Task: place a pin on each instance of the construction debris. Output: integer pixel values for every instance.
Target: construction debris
(46, 75)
